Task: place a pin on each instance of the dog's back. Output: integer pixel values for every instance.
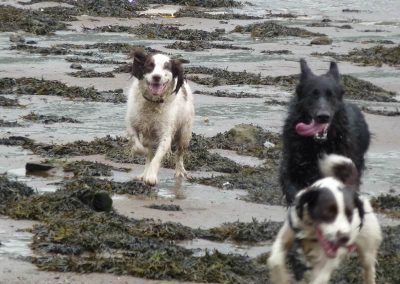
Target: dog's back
(319, 122)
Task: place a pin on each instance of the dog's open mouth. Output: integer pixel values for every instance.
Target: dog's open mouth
(329, 247)
(157, 89)
(318, 130)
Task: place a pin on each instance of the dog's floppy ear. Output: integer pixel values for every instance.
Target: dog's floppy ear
(341, 168)
(177, 72)
(308, 197)
(334, 71)
(305, 70)
(139, 58)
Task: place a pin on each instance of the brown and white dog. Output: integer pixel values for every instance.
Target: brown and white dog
(160, 112)
(330, 220)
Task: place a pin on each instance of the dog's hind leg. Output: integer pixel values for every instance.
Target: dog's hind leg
(277, 260)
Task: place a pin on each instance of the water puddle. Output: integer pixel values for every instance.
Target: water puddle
(201, 247)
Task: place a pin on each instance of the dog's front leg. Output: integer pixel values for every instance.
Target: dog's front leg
(150, 176)
(137, 146)
(277, 260)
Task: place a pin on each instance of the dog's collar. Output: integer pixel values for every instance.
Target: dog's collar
(149, 100)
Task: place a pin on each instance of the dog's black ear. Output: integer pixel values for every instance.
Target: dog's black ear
(334, 71)
(308, 198)
(360, 207)
(139, 58)
(305, 70)
(177, 72)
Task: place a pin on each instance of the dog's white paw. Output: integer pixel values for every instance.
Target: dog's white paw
(138, 148)
(140, 177)
(150, 178)
(181, 173)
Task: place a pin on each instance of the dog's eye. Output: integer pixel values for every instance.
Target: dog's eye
(329, 93)
(329, 213)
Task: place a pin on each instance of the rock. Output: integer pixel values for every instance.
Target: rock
(268, 144)
(323, 40)
(347, 27)
(31, 42)
(36, 167)
(220, 30)
(17, 38)
(99, 201)
(76, 66)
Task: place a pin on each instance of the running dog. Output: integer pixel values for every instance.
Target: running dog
(330, 220)
(160, 112)
(319, 121)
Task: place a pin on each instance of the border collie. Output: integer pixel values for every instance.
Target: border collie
(319, 121)
(329, 220)
(160, 112)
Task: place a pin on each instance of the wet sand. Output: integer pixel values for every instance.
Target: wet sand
(202, 206)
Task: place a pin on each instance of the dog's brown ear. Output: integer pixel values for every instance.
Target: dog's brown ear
(139, 58)
(177, 72)
(305, 70)
(334, 71)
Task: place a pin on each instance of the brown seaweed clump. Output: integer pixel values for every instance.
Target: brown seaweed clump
(198, 45)
(90, 73)
(87, 168)
(162, 31)
(33, 86)
(165, 207)
(43, 22)
(272, 29)
(7, 102)
(4, 123)
(374, 56)
(200, 3)
(225, 94)
(193, 12)
(387, 204)
(49, 119)
(355, 88)
(382, 110)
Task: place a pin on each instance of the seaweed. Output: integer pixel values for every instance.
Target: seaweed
(77, 59)
(43, 22)
(200, 3)
(374, 56)
(165, 207)
(49, 119)
(271, 29)
(111, 47)
(87, 168)
(41, 87)
(4, 123)
(387, 204)
(12, 191)
(161, 31)
(355, 88)
(225, 94)
(53, 50)
(196, 13)
(279, 52)
(7, 102)
(381, 111)
(90, 73)
(197, 45)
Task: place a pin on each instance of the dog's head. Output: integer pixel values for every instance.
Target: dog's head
(319, 97)
(332, 204)
(159, 75)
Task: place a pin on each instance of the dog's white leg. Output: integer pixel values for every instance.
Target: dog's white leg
(150, 177)
(277, 259)
(137, 146)
(149, 157)
(321, 273)
(183, 141)
(368, 260)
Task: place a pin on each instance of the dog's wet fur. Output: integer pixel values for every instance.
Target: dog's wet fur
(320, 99)
(329, 220)
(160, 111)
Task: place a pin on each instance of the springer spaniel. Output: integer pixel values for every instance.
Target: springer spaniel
(160, 112)
(330, 220)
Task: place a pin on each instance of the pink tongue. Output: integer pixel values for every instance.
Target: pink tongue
(156, 89)
(310, 129)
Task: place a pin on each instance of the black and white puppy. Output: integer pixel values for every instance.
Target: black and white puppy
(160, 112)
(319, 121)
(330, 220)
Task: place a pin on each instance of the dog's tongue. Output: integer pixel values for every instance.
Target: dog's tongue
(310, 129)
(156, 89)
(329, 247)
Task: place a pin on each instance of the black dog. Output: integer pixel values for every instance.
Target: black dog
(319, 122)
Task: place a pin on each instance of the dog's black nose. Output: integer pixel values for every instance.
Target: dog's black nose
(156, 78)
(323, 117)
(342, 239)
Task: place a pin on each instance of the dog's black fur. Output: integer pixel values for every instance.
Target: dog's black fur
(320, 98)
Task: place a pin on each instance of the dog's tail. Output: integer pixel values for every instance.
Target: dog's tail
(341, 168)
